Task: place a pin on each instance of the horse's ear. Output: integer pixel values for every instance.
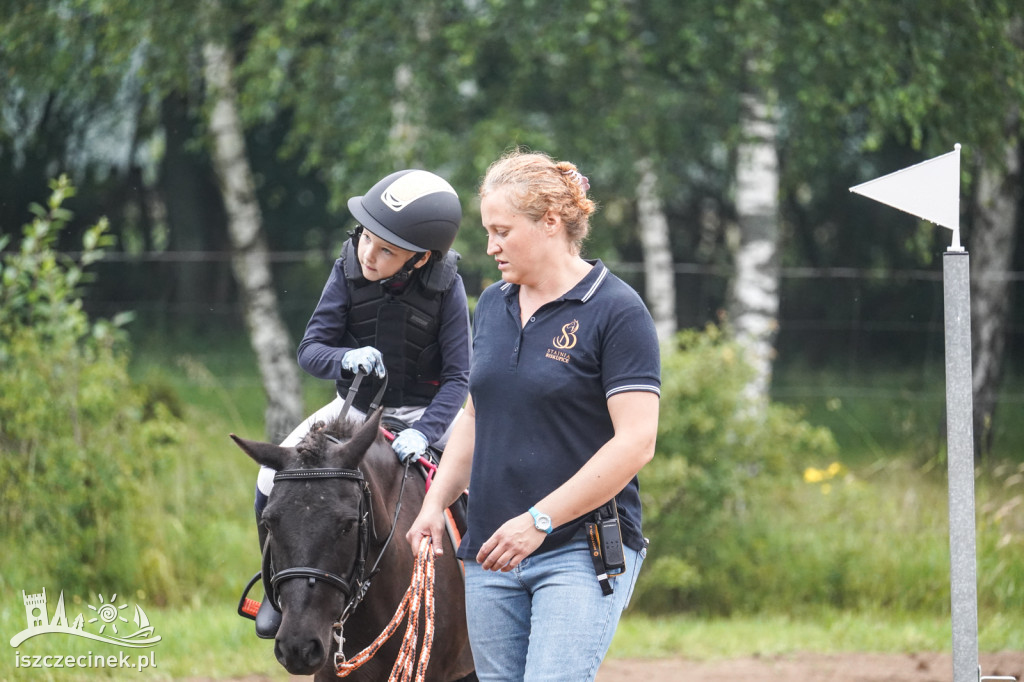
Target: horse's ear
(352, 451)
(267, 454)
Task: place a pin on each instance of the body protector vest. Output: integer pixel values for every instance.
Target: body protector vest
(403, 324)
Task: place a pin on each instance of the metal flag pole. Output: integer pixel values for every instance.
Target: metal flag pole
(931, 190)
(963, 564)
(963, 569)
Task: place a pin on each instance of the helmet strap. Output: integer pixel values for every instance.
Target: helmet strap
(355, 234)
(399, 279)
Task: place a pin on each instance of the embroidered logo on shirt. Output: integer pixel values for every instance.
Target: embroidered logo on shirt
(559, 355)
(564, 342)
(568, 338)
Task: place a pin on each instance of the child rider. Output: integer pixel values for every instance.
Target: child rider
(394, 304)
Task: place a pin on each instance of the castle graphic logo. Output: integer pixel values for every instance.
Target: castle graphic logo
(106, 622)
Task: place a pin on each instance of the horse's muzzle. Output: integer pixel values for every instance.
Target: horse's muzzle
(300, 656)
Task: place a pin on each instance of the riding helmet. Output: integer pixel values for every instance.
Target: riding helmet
(412, 209)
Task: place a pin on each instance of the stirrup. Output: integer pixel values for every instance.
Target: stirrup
(268, 619)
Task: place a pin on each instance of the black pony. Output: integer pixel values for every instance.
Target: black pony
(330, 523)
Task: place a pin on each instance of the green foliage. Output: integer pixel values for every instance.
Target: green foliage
(893, 409)
(717, 452)
(1000, 541)
(60, 395)
(347, 93)
(84, 451)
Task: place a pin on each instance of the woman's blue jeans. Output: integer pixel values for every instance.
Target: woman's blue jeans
(546, 619)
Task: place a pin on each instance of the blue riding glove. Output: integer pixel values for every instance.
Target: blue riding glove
(409, 445)
(367, 359)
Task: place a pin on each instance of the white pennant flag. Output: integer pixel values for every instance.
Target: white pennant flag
(928, 190)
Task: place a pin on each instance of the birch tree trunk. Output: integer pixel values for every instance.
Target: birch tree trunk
(753, 303)
(659, 274)
(993, 241)
(275, 351)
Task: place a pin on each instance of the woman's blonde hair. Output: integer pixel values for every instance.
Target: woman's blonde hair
(537, 184)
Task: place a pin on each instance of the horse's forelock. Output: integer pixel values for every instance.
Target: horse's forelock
(311, 451)
(314, 445)
(341, 428)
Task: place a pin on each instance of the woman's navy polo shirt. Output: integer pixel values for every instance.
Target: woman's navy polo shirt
(541, 397)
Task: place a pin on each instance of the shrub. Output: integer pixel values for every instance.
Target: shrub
(717, 455)
(76, 451)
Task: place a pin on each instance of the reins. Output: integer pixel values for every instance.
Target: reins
(420, 591)
(421, 587)
(363, 584)
(353, 389)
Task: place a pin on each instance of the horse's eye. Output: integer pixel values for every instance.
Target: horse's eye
(346, 525)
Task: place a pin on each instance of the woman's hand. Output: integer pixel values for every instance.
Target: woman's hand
(515, 540)
(428, 524)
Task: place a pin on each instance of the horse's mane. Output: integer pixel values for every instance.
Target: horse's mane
(315, 443)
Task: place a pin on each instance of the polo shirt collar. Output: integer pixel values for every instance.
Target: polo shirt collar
(583, 291)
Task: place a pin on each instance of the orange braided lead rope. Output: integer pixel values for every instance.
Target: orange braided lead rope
(421, 588)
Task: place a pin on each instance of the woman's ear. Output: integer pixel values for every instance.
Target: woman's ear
(551, 221)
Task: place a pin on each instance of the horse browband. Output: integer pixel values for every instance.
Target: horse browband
(298, 474)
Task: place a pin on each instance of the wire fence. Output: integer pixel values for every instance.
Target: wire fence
(849, 320)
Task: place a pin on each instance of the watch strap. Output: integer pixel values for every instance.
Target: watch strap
(536, 519)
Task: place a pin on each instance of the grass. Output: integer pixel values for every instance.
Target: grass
(873, 415)
(825, 631)
(212, 642)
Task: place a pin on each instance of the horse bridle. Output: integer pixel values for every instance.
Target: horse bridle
(358, 582)
(355, 587)
(272, 579)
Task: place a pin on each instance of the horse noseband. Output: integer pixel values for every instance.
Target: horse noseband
(271, 578)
